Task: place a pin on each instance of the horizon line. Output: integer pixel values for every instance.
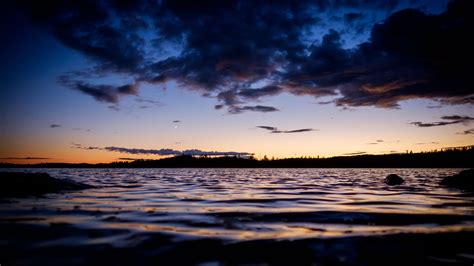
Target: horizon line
(246, 157)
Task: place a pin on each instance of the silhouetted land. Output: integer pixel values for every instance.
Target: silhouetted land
(462, 157)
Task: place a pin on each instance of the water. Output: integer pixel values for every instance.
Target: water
(219, 216)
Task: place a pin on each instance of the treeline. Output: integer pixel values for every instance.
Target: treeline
(462, 157)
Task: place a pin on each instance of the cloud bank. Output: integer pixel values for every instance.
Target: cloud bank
(243, 51)
(162, 152)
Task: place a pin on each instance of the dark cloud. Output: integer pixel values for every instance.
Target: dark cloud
(176, 121)
(351, 17)
(234, 99)
(268, 128)
(462, 118)
(161, 152)
(54, 125)
(326, 102)
(452, 119)
(413, 55)
(277, 131)
(296, 130)
(256, 108)
(224, 49)
(102, 93)
(261, 92)
(234, 103)
(434, 124)
(82, 26)
(25, 158)
(410, 55)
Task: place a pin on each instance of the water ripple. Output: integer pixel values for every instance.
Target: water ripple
(239, 204)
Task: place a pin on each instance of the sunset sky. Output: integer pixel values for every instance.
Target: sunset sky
(100, 81)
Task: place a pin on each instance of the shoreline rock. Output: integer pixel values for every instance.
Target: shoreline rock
(393, 180)
(463, 180)
(19, 184)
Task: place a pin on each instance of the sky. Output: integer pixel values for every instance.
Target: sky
(102, 81)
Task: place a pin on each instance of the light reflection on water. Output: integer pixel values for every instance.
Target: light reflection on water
(245, 204)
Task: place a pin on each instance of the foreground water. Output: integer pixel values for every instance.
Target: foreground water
(249, 216)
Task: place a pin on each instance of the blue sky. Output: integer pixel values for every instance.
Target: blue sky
(33, 96)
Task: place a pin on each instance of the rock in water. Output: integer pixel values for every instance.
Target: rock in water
(17, 184)
(463, 180)
(393, 180)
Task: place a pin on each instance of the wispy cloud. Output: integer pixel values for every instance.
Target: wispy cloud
(355, 153)
(434, 106)
(145, 103)
(451, 120)
(256, 108)
(81, 129)
(101, 93)
(25, 158)
(82, 147)
(426, 143)
(114, 107)
(376, 142)
(433, 124)
(277, 131)
(326, 102)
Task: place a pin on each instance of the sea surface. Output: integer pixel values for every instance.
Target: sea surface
(241, 216)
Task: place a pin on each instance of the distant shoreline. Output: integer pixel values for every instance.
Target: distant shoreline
(448, 158)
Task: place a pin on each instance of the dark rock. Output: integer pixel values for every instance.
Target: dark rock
(16, 184)
(393, 180)
(463, 180)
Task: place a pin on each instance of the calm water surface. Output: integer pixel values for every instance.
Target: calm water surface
(233, 206)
